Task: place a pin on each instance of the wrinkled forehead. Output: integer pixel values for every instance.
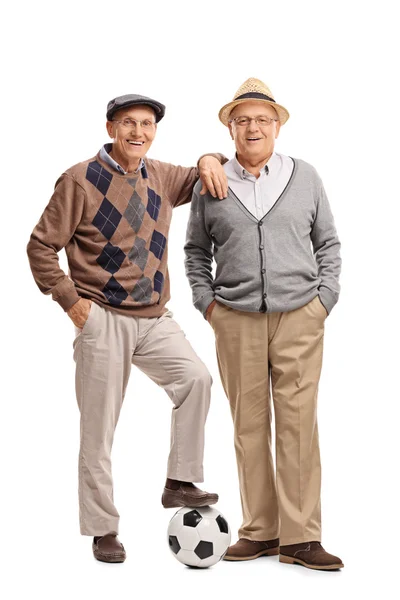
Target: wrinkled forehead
(253, 109)
(139, 111)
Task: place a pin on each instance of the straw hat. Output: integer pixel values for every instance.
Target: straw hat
(253, 89)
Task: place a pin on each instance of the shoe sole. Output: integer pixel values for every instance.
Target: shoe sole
(113, 559)
(289, 560)
(193, 503)
(110, 559)
(272, 552)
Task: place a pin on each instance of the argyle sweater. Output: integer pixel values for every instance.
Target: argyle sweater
(114, 229)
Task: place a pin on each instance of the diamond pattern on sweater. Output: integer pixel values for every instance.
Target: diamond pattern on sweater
(107, 219)
(139, 253)
(99, 177)
(143, 290)
(158, 282)
(158, 244)
(111, 258)
(153, 204)
(134, 212)
(114, 292)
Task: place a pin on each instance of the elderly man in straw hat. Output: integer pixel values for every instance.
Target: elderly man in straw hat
(277, 279)
(112, 214)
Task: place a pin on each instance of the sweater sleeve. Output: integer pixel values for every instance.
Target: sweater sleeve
(181, 181)
(199, 254)
(52, 233)
(326, 247)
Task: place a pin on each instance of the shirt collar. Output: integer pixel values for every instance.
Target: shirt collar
(243, 173)
(105, 155)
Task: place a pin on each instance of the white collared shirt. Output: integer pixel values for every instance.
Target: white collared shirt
(259, 195)
(105, 155)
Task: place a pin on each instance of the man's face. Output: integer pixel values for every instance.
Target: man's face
(131, 141)
(254, 141)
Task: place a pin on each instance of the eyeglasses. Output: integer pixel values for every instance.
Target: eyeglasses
(262, 121)
(133, 123)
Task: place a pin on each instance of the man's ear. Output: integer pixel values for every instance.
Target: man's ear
(277, 129)
(110, 129)
(231, 131)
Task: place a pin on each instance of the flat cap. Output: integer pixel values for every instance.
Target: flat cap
(132, 100)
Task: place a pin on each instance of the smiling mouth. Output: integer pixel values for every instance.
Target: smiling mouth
(135, 143)
(253, 139)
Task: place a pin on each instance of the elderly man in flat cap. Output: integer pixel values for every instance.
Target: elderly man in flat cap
(112, 214)
(277, 279)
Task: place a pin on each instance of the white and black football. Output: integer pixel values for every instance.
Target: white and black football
(198, 537)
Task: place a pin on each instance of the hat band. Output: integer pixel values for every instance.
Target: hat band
(254, 95)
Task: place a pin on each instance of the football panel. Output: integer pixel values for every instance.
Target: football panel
(204, 549)
(189, 558)
(174, 544)
(221, 544)
(188, 538)
(210, 561)
(222, 524)
(208, 529)
(192, 518)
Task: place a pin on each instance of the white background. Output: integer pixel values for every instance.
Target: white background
(334, 65)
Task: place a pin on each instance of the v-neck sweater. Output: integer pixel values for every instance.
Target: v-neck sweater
(276, 264)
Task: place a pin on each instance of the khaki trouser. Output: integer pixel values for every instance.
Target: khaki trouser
(284, 349)
(104, 351)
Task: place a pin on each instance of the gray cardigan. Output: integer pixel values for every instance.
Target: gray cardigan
(276, 264)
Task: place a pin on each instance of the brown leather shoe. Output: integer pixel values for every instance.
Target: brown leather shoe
(108, 548)
(311, 555)
(187, 495)
(249, 550)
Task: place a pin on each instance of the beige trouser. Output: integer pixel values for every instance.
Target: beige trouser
(284, 349)
(104, 351)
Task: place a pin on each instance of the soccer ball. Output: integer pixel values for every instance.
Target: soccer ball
(198, 537)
